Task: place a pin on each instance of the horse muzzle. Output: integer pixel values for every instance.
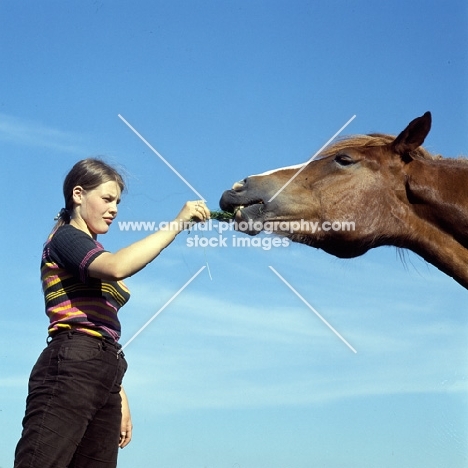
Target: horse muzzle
(248, 205)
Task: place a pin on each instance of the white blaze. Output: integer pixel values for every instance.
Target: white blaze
(296, 166)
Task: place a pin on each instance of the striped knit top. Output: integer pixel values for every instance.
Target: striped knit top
(73, 300)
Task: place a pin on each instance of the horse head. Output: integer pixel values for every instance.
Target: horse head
(363, 192)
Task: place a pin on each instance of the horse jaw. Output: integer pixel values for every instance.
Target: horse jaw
(338, 248)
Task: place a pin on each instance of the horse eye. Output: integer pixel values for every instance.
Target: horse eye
(344, 160)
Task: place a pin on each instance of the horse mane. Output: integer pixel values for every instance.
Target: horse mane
(372, 140)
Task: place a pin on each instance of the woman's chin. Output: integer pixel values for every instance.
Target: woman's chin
(97, 231)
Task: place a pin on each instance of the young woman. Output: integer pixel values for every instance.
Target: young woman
(77, 414)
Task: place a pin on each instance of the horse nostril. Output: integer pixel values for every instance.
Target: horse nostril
(239, 185)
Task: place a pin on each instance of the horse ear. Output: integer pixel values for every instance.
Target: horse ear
(413, 135)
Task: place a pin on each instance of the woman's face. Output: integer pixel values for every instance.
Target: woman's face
(96, 209)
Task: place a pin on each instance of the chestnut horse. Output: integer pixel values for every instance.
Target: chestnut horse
(390, 190)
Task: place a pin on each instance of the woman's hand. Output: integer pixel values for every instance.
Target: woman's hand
(126, 426)
(193, 211)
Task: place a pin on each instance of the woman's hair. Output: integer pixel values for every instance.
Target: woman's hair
(89, 174)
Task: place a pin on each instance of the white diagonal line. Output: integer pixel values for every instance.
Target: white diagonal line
(313, 310)
(160, 157)
(312, 158)
(163, 307)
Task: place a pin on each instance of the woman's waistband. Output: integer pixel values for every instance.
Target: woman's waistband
(74, 334)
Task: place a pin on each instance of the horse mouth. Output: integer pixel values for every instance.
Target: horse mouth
(249, 217)
(250, 211)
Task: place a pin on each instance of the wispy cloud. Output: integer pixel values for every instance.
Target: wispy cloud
(30, 133)
(208, 352)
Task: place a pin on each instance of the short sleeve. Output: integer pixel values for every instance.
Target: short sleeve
(73, 250)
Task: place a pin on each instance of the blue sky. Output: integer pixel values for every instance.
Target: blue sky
(237, 372)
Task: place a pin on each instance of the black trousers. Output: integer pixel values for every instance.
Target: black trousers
(73, 409)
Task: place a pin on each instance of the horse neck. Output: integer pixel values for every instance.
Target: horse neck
(442, 251)
(438, 196)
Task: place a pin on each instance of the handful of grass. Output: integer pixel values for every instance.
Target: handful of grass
(222, 216)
